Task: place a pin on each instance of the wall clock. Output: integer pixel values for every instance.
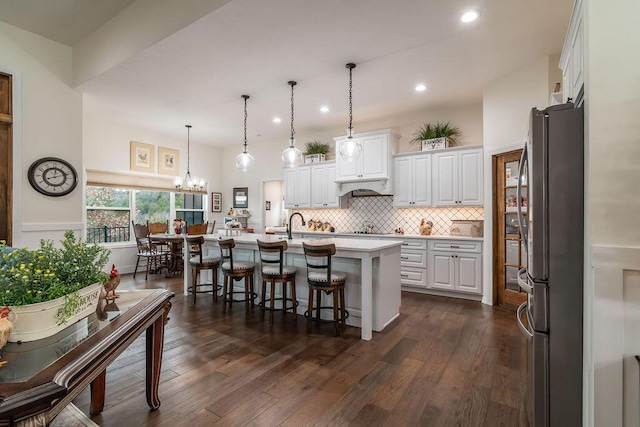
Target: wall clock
(52, 176)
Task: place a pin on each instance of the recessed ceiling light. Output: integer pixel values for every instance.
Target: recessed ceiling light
(421, 87)
(324, 109)
(470, 16)
(276, 120)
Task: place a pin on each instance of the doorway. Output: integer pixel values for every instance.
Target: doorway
(6, 158)
(273, 212)
(508, 250)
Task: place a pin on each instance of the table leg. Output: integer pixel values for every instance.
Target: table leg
(367, 299)
(155, 344)
(98, 393)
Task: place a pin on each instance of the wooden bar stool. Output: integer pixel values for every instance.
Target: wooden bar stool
(235, 271)
(198, 263)
(321, 278)
(274, 271)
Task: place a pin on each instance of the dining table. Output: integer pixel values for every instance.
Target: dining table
(176, 244)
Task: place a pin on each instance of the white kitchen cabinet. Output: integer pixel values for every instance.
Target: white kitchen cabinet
(412, 180)
(374, 163)
(413, 263)
(572, 57)
(458, 177)
(455, 266)
(324, 193)
(297, 187)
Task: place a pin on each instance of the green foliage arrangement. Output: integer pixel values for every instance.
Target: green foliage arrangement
(40, 275)
(316, 147)
(438, 130)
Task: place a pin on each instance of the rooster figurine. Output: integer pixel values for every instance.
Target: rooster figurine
(112, 283)
(6, 327)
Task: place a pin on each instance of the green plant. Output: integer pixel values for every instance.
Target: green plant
(438, 130)
(316, 147)
(44, 274)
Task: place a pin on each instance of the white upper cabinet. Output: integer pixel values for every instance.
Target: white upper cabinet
(572, 58)
(458, 177)
(297, 187)
(323, 186)
(412, 180)
(373, 163)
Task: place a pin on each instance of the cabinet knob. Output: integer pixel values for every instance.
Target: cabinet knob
(404, 275)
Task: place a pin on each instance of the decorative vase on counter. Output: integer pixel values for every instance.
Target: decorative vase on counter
(178, 230)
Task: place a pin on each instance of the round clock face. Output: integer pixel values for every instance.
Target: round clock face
(52, 176)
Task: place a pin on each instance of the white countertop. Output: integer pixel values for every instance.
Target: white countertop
(366, 245)
(389, 236)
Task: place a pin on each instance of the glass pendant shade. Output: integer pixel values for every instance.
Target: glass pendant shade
(291, 156)
(244, 162)
(350, 148)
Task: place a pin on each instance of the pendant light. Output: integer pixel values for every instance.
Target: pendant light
(291, 156)
(244, 160)
(350, 148)
(191, 183)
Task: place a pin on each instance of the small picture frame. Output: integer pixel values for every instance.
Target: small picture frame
(267, 205)
(142, 157)
(168, 161)
(216, 202)
(241, 197)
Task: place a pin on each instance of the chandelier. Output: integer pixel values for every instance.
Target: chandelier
(291, 156)
(244, 160)
(350, 148)
(191, 183)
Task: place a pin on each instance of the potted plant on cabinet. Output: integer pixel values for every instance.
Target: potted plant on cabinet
(316, 151)
(48, 287)
(434, 136)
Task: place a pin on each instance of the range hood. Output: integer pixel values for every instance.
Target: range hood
(381, 187)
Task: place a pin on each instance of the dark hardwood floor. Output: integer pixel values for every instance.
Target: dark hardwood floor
(444, 362)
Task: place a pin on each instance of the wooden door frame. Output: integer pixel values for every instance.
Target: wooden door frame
(6, 118)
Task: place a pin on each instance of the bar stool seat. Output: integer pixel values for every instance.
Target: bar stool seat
(273, 270)
(321, 278)
(236, 271)
(199, 263)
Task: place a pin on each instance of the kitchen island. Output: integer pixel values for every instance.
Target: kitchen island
(372, 291)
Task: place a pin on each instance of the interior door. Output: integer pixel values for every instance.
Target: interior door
(6, 158)
(508, 250)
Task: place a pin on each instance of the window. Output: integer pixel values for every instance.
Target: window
(108, 214)
(110, 211)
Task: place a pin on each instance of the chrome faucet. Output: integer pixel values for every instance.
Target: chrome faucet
(289, 225)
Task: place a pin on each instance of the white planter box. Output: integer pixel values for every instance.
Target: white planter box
(434, 144)
(36, 321)
(314, 158)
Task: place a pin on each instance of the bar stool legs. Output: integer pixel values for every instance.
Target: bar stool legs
(340, 314)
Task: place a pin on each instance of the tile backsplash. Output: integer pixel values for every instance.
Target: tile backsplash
(380, 212)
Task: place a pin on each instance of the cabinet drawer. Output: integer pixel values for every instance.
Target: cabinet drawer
(455, 246)
(413, 258)
(414, 244)
(416, 277)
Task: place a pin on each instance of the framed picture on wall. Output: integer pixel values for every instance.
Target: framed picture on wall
(241, 197)
(168, 161)
(142, 157)
(216, 202)
(267, 205)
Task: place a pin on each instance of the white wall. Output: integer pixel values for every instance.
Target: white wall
(48, 122)
(505, 106)
(273, 192)
(268, 165)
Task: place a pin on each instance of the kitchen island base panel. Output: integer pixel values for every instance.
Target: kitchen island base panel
(372, 291)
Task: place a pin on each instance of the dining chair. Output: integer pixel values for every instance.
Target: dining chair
(211, 226)
(159, 228)
(197, 229)
(153, 255)
(322, 278)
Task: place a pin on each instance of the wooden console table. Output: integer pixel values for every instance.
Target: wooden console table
(42, 377)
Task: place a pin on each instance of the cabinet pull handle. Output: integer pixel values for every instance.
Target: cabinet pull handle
(404, 275)
(454, 246)
(405, 244)
(404, 257)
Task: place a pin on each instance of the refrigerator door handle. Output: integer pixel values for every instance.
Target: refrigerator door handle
(521, 219)
(525, 331)
(523, 281)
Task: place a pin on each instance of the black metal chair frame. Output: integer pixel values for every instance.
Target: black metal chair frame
(195, 251)
(230, 275)
(324, 252)
(267, 258)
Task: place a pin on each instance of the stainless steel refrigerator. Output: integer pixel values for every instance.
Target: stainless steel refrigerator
(551, 178)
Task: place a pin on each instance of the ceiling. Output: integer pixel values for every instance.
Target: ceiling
(198, 74)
